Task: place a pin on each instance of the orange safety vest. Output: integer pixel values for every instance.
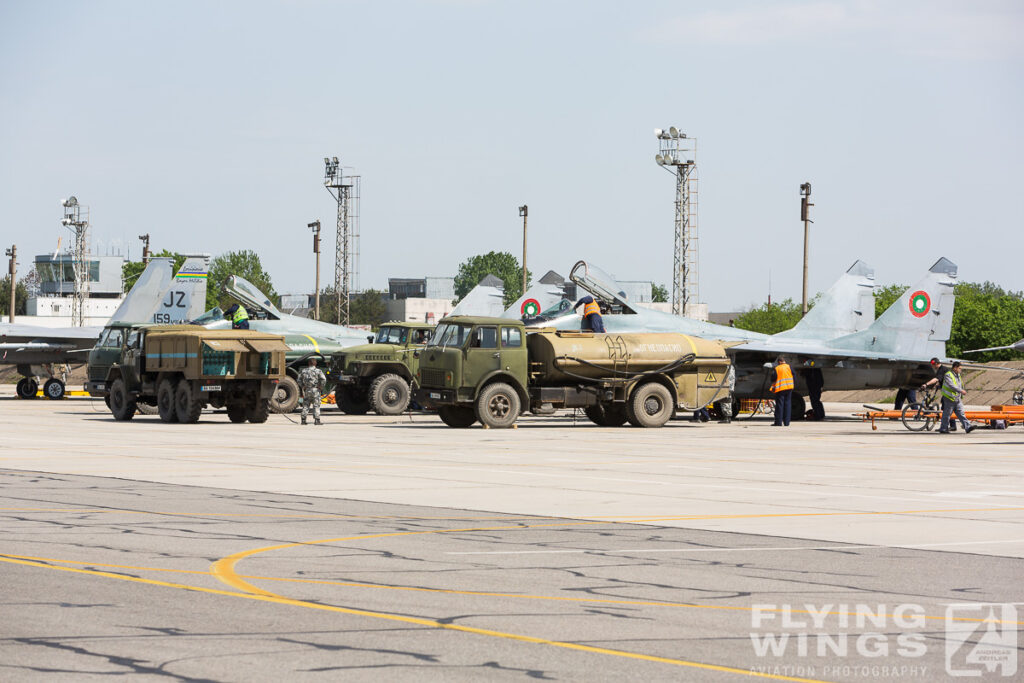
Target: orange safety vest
(591, 309)
(783, 379)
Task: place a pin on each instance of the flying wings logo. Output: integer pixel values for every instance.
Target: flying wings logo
(920, 303)
(530, 307)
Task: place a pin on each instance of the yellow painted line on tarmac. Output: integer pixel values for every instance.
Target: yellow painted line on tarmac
(431, 623)
(490, 594)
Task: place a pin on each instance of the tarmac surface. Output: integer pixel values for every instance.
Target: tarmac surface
(398, 549)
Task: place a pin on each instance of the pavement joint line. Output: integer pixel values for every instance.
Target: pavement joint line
(524, 596)
(431, 623)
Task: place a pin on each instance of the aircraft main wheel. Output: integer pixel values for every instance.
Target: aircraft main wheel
(798, 411)
(258, 413)
(27, 388)
(54, 389)
(650, 406)
(607, 415)
(186, 406)
(459, 417)
(351, 401)
(389, 395)
(497, 406)
(122, 407)
(165, 402)
(286, 395)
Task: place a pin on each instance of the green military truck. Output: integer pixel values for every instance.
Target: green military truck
(180, 369)
(493, 369)
(380, 376)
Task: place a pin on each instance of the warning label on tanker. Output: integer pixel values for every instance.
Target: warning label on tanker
(710, 377)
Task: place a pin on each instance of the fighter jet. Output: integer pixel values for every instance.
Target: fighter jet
(154, 297)
(486, 299)
(840, 340)
(304, 336)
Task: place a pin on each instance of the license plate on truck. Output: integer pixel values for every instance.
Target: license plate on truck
(434, 394)
(210, 387)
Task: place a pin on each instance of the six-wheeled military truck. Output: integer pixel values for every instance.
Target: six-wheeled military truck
(381, 375)
(492, 369)
(183, 368)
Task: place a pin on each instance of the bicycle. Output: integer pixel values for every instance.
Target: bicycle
(922, 415)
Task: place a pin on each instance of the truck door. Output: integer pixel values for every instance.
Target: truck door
(482, 355)
(513, 352)
(132, 365)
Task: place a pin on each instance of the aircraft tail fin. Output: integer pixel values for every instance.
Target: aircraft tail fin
(142, 298)
(847, 307)
(918, 324)
(538, 298)
(486, 299)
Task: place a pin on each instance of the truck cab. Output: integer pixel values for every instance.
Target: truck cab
(105, 354)
(381, 375)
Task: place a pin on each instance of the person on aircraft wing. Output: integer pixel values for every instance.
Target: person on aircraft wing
(782, 387)
(592, 319)
(239, 317)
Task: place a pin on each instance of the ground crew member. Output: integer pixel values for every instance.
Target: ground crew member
(940, 371)
(725, 405)
(311, 381)
(952, 399)
(592, 319)
(782, 387)
(815, 383)
(239, 317)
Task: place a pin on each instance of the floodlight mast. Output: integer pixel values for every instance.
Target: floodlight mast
(315, 227)
(345, 190)
(73, 221)
(677, 154)
(12, 271)
(805, 216)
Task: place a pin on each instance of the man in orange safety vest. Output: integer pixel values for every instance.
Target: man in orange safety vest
(591, 314)
(782, 388)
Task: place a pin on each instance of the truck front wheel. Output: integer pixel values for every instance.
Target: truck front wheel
(286, 396)
(389, 395)
(165, 400)
(186, 405)
(121, 406)
(459, 417)
(650, 406)
(497, 406)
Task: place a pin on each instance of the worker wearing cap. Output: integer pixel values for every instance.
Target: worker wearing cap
(952, 393)
(239, 317)
(592, 319)
(782, 388)
(311, 381)
(940, 371)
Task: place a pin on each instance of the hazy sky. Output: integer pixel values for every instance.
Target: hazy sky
(205, 124)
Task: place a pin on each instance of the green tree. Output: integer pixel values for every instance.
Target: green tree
(500, 264)
(886, 297)
(770, 318)
(659, 294)
(367, 308)
(20, 297)
(985, 315)
(131, 270)
(244, 263)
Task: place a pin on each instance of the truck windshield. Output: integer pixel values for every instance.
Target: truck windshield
(450, 334)
(392, 335)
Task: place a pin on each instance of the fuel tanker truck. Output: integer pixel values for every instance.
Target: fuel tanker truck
(492, 369)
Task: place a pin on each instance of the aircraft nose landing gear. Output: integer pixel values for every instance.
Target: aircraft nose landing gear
(27, 387)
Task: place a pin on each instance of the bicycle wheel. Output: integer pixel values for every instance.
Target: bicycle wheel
(918, 417)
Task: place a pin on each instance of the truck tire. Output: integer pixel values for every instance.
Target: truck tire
(497, 406)
(121, 405)
(286, 395)
(258, 413)
(650, 406)
(459, 417)
(389, 395)
(147, 409)
(186, 406)
(237, 412)
(54, 389)
(607, 415)
(351, 401)
(27, 387)
(165, 400)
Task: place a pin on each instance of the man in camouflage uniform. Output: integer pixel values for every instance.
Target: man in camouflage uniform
(311, 381)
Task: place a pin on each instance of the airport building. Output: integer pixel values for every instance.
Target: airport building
(426, 299)
(51, 305)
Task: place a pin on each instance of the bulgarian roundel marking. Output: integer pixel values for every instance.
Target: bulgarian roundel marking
(530, 307)
(920, 303)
